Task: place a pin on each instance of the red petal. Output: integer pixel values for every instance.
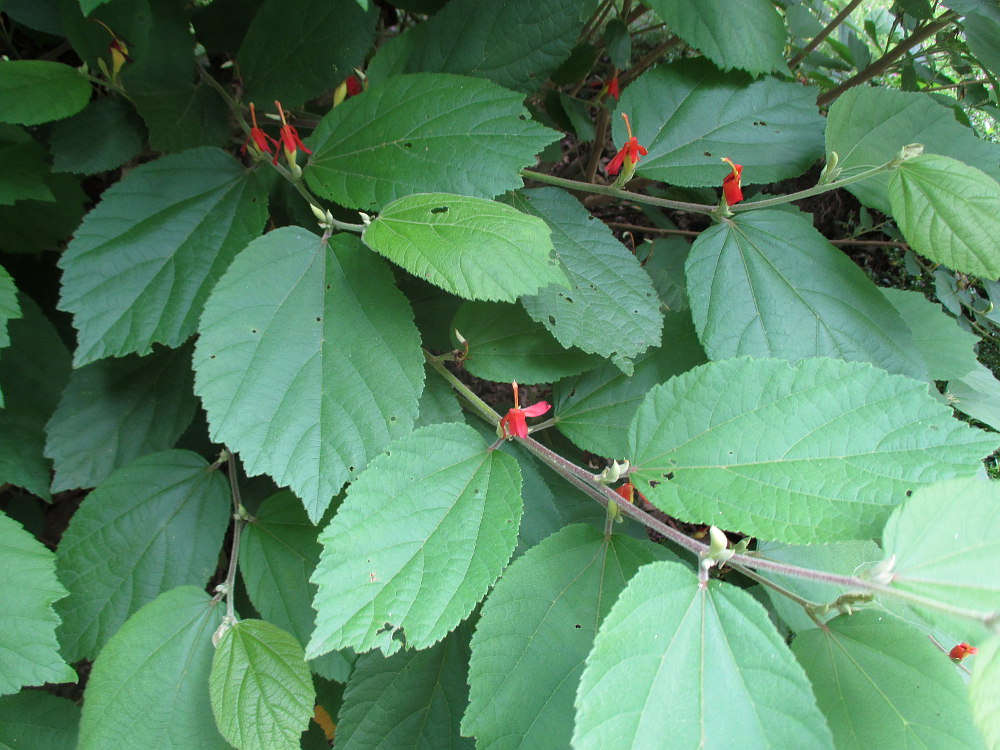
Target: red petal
(731, 189)
(613, 88)
(626, 491)
(536, 410)
(517, 424)
(353, 86)
(615, 165)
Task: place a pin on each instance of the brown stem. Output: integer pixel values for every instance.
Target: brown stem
(597, 147)
(818, 39)
(885, 62)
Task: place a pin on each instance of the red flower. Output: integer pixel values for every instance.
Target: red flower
(514, 423)
(962, 650)
(631, 151)
(257, 136)
(290, 140)
(353, 86)
(628, 492)
(731, 183)
(613, 88)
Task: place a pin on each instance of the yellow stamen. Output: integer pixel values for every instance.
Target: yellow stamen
(736, 172)
(628, 125)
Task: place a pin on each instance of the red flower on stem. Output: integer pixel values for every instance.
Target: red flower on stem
(514, 422)
(731, 183)
(289, 137)
(631, 151)
(258, 137)
(353, 85)
(962, 650)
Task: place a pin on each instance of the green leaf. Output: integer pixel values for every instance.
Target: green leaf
(947, 211)
(717, 444)
(768, 284)
(505, 345)
(150, 683)
(103, 136)
(182, 116)
(947, 350)
(943, 540)
(114, 411)
(421, 536)
(842, 558)
(24, 168)
(141, 265)
(37, 91)
(308, 362)
(611, 308)
(261, 689)
(9, 309)
(33, 226)
(412, 699)
(474, 37)
(36, 719)
(28, 648)
(702, 666)
(689, 115)
(983, 694)
(31, 393)
(868, 125)
(470, 247)
(535, 632)
(154, 524)
(720, 31)
(882, 683)
(278, 552)
(287, 52)
(420, 134)
(978, 395)
(594, 410)
(438, 402)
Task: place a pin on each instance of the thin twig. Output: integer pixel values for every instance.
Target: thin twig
(818, 39)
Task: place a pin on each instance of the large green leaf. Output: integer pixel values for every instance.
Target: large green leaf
(978, 395)
(37, 91)
(278, 552)
(702, 666)
(31, 392)
(595, 409)
(882, 683)
(420, 134)
(115, 410)
(768, 284)
(689, 115)
(505, 345)
(535, 632)
(28, 648)
(947, 349)
(813, 452)
(470, 247)
(421, 536)
(943, 540)
(149, 686)
(154, 524)
(308, 362)
(947, 211)
(749, 35)
(610, 308)
(261, 689)
(516, 43)
(144, 260)
(288, 54)
(36, 719)
(412, 699)
(983, 693)
(868, 125)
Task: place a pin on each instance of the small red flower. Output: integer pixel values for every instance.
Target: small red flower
(631, 151)
(731, 183)
(514, 423)
(289, 137)
(628, 492)
(962, 650)
(613, 87)
(353, 85)
(257, 136)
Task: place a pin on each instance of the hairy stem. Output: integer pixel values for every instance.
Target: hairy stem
(238, 521)
(586, 187)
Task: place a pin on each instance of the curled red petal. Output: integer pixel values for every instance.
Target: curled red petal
(962, 650)
(353, 85)
(613, 88)
(536, 410)
(518, 426)
(615, 165)
(626, 491)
